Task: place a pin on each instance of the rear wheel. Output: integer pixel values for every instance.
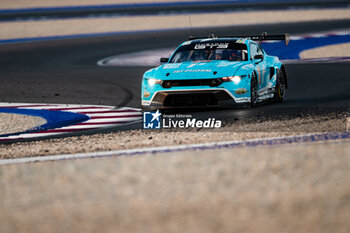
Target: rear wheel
(253, 91)
(280, 89)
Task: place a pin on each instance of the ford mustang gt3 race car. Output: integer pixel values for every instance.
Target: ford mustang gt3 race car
(207, 72)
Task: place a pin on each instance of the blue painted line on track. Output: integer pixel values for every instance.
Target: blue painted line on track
(87, 35)
(279, 49)
(194, 147)
(136, 5)
(292, 51)
(55, 119)
(228, 145)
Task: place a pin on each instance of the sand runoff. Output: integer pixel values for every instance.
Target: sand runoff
(29, 29)
(339, 50)
(132, 139)
(13, 123)
(18, 4)
(286, 188)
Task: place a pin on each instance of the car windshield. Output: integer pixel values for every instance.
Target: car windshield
(207, 52)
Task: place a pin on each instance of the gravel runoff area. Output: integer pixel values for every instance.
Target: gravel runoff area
(12, 123)
(11, 4)
(131, 139)
(340, 50)
(286, 188)
(28, 29)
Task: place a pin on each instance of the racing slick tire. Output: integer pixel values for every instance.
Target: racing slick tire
(280, 90)
(253, 90)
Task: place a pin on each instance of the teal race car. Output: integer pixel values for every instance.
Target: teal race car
(216, 72)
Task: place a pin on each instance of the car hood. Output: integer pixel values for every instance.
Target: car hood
(199, 70)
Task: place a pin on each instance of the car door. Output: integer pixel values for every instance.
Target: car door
(265, 68)
(261, 69)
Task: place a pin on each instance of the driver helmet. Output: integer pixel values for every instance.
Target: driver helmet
(235, 55)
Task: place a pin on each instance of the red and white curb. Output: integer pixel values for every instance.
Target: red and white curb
(100, 117)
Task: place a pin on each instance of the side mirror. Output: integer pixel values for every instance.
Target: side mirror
(164, 59)
(258, 57)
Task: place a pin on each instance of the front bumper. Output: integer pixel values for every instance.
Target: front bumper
(213, 97)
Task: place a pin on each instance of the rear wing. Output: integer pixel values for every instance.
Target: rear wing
(259, 38)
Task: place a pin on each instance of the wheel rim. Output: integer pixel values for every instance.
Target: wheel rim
(254, 94)
(281, 87)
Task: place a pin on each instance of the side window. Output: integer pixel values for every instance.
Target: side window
(255, 50)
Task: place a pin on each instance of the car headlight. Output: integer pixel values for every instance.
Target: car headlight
(234, 79)
(153, 81)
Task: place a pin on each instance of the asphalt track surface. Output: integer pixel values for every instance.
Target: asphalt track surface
(65, 71)
(164, 8)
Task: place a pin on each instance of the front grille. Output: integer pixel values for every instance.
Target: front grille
(182, 100)
(192, 82)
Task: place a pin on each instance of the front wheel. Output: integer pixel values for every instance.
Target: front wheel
(253, 91)
(280, 89)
